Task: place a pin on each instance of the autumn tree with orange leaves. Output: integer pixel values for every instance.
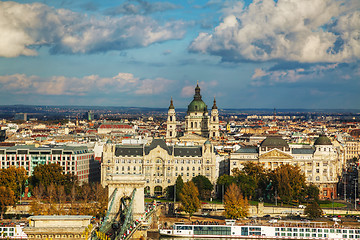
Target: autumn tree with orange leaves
(236, 206)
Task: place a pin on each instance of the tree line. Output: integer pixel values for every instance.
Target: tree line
(285, 184)
(52, 192)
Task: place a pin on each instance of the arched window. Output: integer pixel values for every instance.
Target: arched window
(192, 125)
(170, 118)
(317, 178)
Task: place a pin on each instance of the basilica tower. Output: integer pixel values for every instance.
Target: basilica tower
(214, 122)
(171, 122)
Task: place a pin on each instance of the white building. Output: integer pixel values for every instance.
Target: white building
(321, 163)
(159, 163)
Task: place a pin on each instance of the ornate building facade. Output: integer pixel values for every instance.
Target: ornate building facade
(158, 164)
(320, 162)
(198, 123)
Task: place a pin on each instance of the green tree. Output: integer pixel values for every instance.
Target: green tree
(47, 174)
(7, 198)
(255, 170)
(236, 206)
(14, 179)
(289, 182)
(223, 182)
(313, 192)
(170, 192)
(189, 198)
(179, 185)
(313, 210)
(246, 183)
(252, 179)
(204, 186)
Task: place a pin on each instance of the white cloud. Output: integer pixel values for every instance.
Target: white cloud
(141, 7)
(189, 90)
(263, 77)
(92, 84)
(292, 30)
(26, 26)
(153, 86)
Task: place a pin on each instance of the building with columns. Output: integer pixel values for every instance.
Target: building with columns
(321, 162)
(199, 125)
(158, 164)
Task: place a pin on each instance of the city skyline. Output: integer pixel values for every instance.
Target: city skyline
(248, 54)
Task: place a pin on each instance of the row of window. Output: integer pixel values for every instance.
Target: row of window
(176, 161)
(319, 230)
(22, 158)
(135, 161)
(128, 168)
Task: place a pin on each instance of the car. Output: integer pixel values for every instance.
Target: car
(273, 221)
(266, 216)
(302, 206)
(335, 219)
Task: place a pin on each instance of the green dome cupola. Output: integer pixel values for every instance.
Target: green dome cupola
(197, 105)
(322, 140)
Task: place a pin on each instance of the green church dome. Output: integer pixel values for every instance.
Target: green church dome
(197, 105)
(323, 140)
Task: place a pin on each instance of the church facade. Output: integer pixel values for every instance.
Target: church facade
(198, 123)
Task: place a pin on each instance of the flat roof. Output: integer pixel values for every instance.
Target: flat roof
(60, 217)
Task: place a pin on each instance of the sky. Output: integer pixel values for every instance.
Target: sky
(247, 54)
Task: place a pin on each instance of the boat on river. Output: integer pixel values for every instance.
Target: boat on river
(280, 230)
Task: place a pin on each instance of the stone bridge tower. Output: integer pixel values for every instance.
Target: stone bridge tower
(124, 183)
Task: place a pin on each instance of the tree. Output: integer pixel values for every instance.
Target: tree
(236, 206)
(14, 178)
(313, 210)
(223, 182)
(313, 192)
(179, 185)
(7, 198)
(246, 183)
(100, 198)
(47, 174)
(204, 186)
(252, 179)
(38, 193)
(189, 198)
(170, 192)
(289, 182)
